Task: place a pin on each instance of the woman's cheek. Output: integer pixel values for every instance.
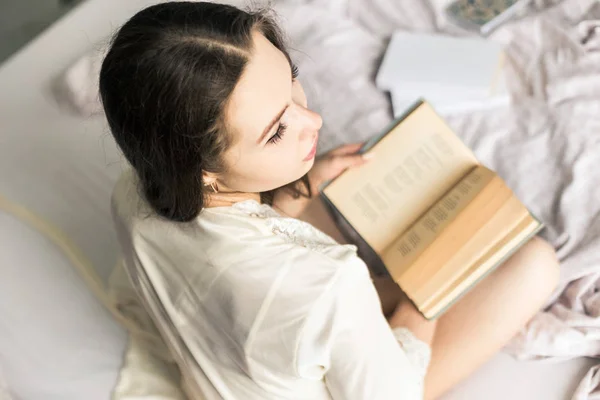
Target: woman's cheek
(287, 158)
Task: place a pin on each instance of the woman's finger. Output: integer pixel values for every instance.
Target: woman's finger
(353, 160)
(346, 149)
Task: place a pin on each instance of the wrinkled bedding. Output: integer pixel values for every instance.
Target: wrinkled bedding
(546, 144)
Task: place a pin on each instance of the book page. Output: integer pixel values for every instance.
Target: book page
(412, 166)
(455, 207)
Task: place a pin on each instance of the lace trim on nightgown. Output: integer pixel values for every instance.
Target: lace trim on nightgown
(417, 351)
(293, 230)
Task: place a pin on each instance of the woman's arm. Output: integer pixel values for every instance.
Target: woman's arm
(407, 316)
(360, 355)
(401, 312)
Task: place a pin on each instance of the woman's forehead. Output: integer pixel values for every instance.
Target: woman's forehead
(262, 92)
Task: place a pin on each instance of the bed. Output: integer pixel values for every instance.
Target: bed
(60, 342)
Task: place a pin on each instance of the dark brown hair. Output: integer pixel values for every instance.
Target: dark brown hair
(164, 85)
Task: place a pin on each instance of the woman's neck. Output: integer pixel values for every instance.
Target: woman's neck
(227, 199)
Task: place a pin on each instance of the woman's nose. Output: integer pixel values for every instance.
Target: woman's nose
(315, 119)
(311, 120)
(307, 119)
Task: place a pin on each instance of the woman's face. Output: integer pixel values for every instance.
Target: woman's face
(275, 135)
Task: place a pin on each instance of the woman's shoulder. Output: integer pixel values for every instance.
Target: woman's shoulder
(242, 248)
(261, 270)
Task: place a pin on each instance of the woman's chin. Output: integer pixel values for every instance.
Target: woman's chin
(308, 164)
(303, 171)
(307, 167)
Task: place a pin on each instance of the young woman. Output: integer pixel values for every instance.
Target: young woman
(206, 105)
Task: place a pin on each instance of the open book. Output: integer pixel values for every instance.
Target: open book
(438, 220)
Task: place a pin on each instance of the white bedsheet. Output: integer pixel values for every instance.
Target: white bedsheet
(57, 341)
(64, 167)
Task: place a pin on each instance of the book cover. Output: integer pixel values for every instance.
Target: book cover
(453, 64)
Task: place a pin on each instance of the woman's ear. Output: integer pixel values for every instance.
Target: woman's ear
(210, 179)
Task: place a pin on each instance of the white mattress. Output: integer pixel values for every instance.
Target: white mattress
(63, 168)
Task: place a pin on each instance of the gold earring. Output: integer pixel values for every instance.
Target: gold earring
(214, 187)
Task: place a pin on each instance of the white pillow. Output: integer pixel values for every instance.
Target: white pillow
(57, 342)
(77, 88)
(36, 348)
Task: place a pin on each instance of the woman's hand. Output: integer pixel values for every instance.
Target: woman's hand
(333, 163)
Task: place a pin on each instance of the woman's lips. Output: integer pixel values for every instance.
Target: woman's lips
(313, 150)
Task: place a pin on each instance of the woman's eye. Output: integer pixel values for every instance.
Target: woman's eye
(278, 134)
(295, 71)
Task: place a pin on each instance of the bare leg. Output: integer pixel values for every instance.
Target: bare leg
(487, 317)
(478, 325)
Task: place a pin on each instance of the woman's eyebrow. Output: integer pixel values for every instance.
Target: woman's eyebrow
(278, 116)
(270, 125)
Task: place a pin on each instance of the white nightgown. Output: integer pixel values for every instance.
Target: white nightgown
(254, 305)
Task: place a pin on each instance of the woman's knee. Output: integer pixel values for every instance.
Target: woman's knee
(537, 266)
